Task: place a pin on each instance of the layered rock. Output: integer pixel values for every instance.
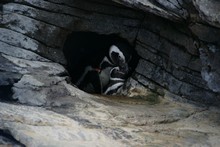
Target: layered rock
(178, 45)
(86, 120)
(180, 54)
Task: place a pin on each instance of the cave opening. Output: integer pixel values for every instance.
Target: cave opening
(99, 63)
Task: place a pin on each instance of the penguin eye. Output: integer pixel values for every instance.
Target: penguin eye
(119, 57)
(116, 69)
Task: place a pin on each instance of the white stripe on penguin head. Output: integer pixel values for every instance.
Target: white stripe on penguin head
(115, 78)
(114, 48)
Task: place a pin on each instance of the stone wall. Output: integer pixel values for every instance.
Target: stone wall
(178, 42)
(170, 59)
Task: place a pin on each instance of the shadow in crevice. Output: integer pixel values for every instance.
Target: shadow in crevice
(6, 93)
(83, 49)
(6, 139)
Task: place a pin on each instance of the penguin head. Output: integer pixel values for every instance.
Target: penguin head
(117, 74)
(117, 80)
(120, 57)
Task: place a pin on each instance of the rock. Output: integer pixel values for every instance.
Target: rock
(208, 11)
(39, 90)
(38, 127)
(170, 44)
(86, 120)
(8, 140)
(179, 61)
(20, 53)
(211, 62)
(14, 38)
(34, 67)
(153, 7)
(9, 78)
(17, 22)
(206, 33)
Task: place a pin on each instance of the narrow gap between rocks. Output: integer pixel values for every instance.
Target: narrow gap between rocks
(6, 139)
(6, 93)
(99, 63)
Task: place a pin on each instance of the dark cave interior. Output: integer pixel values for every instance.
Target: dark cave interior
(88, 49)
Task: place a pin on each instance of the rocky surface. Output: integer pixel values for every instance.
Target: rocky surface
(7, 140)
(182, 54)
(179, 51)
(107, 121)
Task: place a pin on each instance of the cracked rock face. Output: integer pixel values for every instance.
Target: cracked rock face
(179, 50)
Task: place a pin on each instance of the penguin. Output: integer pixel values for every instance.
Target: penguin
(116, 81)
(115, 58)
(104, 77)
(102, 52)
(96, 80)
(82, 49)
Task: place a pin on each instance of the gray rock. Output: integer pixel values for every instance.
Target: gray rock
(20, 53)
(35, 67)
(211, 63)
(179, 60)
(38, 127)
(133, 122)
(39, 89)
(152, 7)
(206, 33)
(19, 40)
(209, 11)
(8, 66)
(169, 46)
(9, 78)
(19, 23)
(7, 140)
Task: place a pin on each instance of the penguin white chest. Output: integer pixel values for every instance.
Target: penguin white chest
(105, 76)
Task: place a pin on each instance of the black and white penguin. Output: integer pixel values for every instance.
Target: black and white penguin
(116, 58)
(116, 81)
(82, 49)
(103, 52)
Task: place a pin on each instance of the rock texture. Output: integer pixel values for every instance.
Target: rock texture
(103, 121)
(39, 127)
(180, 54)
(179, 51)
